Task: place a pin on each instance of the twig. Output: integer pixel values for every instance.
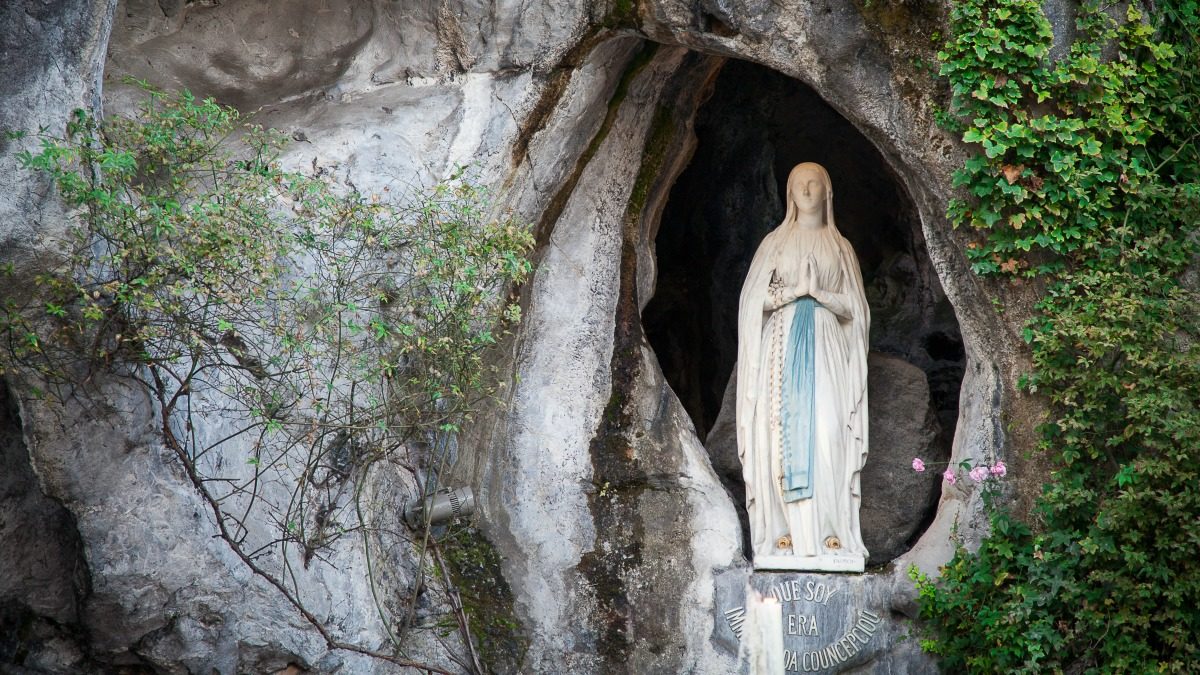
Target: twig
(330, 641)
(460, 612)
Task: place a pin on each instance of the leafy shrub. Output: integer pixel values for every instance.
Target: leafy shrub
(1088, 174)
(333, 330)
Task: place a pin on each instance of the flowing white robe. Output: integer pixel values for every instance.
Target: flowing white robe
(824, 529)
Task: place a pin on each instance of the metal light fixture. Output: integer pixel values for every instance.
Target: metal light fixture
(442, 507)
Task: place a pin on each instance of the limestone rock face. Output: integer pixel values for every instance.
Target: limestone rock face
(897, 501)
(52, 60)
(46, 577)
(599, 447)
(617, 533)
(52, 57)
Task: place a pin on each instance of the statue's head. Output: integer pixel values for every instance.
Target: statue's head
(809, 191)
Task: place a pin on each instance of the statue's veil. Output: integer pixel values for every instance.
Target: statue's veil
(790, 216)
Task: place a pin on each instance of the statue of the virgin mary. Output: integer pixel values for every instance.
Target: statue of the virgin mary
(803, 323)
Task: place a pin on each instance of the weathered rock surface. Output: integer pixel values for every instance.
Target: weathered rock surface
(897, 502)
(52, 56)
(45, 576)
(618, 533)
(616, 536)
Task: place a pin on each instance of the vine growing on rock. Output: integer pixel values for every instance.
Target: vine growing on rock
(1087, 176)
(305, 345)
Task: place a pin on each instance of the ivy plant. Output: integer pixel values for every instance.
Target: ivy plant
(1086, 174)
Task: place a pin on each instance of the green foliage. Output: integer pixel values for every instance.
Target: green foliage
(1087, 174)
(330, 330)
(184, 249)
(473, 565)
(1068, 146)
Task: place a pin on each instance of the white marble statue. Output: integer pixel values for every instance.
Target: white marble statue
(803, 323)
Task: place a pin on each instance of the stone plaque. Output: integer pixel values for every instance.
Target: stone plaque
(831, 622)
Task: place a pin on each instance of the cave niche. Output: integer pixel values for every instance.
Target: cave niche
(756, 125)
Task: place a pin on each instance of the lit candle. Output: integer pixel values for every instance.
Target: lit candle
(762, 634)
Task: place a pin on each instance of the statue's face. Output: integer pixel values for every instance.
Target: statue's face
(808, 191)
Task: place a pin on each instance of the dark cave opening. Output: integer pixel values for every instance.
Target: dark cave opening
(754, 128)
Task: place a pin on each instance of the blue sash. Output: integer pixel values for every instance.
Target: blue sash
(798, 405)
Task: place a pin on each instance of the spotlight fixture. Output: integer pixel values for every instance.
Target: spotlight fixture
(442, 507)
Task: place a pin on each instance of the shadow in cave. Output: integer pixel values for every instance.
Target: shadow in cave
(756, 126)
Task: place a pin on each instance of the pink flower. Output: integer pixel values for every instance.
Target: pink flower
(999, 469)
(978, 473)
(950, 477)
(918, 465)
